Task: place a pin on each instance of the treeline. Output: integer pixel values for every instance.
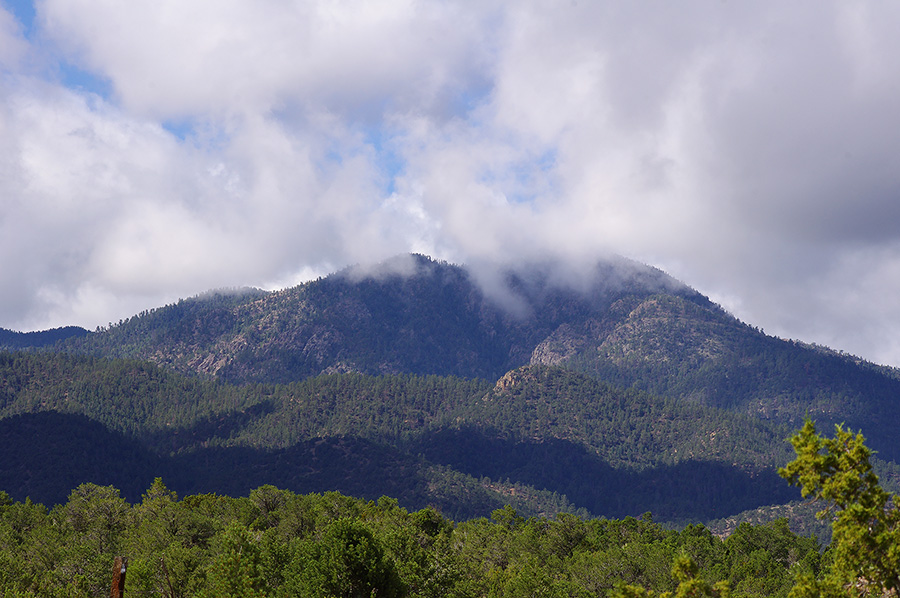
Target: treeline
(171, 412)
(132, 397)
(278, 543)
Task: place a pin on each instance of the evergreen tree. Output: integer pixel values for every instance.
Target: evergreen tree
(865, 546)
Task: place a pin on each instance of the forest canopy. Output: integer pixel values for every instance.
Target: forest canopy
(277, 543)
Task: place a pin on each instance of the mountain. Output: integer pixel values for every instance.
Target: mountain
(623, 322)
(615, 391)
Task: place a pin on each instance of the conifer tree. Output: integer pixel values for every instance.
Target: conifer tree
(865, 541)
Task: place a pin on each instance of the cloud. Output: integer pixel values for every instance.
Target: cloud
(174, 59)
(749, 150)
(13, 47)
(97, 199)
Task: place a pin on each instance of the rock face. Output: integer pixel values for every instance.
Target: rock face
(562, 344)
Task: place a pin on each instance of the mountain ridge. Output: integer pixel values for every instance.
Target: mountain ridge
(404, 315)
(11, 339)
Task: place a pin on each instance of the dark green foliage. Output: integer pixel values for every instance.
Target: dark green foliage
(135, 398)
(687, 490)
(277, 543)
(611, 451)
(45, 450)
(236, 570)
(348, 562)
(765, 558)
(625, 427)
(865, 547)
(42, 453)
(545, 439)
(10, 339)
(690, 584)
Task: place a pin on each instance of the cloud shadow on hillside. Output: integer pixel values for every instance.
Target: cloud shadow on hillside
(689, 490)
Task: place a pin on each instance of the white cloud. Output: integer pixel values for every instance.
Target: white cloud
(172, 59)
(13, 48)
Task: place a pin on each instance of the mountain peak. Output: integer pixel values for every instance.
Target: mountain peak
(410, 313)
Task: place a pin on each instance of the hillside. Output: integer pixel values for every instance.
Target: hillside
(679, 349)
(67, 420)
(541, 438)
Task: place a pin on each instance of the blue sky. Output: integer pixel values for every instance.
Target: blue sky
(23, 11)
(153, 150)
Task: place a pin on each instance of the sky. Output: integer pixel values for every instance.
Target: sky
(155, 149)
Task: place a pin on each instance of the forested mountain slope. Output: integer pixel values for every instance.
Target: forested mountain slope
(680, 349)
(625, 323)
(66, 419)
(542, 438)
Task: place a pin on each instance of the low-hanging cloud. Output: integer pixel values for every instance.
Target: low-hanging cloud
(749, 150)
